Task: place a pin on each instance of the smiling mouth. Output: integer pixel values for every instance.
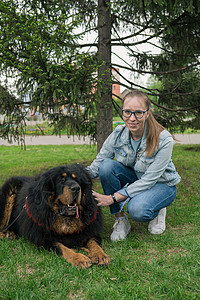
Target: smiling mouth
(68, 210)
(133, 124)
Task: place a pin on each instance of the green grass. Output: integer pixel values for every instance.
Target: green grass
(36, 159)
(46, 129)
(143, 266)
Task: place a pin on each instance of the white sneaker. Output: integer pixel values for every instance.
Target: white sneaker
(122, 228)
(157, 225)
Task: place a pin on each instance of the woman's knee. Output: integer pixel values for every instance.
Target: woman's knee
(138, 212)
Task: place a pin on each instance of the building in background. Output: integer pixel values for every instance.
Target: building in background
(116, 87)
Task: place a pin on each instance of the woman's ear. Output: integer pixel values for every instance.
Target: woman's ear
(147, 114)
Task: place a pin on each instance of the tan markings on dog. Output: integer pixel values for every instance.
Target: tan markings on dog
(66, 196)
(65, 226)
(79, 198)
(8, 209)
(76, 259)
(96, 253)
(8, 235)
(51, 199)
(83, 199)
(73, 176)
(64, 174)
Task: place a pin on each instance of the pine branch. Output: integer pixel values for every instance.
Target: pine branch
(129, 36)
(115, 105)
(160, 93)
(156, 73)
(164, 94)
(137, 43)
(178, 109)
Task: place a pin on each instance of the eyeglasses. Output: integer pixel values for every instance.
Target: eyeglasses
(138, 113)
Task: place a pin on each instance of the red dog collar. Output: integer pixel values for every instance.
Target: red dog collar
(51, 228)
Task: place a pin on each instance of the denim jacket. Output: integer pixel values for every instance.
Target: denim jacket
(149, 170)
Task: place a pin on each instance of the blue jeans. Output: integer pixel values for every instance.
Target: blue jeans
(143, 207)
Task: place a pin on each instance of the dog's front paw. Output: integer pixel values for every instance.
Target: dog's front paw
(100, 259)
(81, 261)
(96, 253)
(8, 235)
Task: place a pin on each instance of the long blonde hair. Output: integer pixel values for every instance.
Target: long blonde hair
(153, 127)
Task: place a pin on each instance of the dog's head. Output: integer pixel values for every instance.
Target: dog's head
(61, 200)
(66, 200)
(66, 190)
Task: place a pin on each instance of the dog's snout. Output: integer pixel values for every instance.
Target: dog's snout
(75, 188)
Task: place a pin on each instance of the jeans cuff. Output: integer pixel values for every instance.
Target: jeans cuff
(118, 207)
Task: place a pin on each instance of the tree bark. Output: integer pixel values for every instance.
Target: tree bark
(104, 118)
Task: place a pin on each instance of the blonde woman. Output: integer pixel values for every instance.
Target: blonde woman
(135, 167)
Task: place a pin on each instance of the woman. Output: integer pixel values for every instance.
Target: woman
(142, 174)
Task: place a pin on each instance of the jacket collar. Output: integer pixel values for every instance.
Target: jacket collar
(124, 137)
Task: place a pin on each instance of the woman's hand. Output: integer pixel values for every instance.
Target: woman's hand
(102, 200)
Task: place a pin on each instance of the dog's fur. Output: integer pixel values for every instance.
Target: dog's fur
(55, 210)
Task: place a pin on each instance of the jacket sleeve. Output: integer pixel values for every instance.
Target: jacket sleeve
(153, 171)
(107, 151)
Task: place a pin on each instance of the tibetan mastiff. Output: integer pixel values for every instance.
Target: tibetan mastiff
(55, 210)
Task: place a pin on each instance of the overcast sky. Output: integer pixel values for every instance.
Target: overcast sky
(122, 54)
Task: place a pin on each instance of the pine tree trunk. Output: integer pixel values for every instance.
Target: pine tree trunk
(104, 119)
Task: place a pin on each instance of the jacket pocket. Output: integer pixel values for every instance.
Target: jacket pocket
(121, 155)
(143, 163)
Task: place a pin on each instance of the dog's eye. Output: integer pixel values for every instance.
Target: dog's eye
(63, 179)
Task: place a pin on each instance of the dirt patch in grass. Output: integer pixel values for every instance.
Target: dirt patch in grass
(25, 271)
(195, 148)
(174, 251)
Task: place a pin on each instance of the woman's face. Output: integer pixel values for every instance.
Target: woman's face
(134, 124)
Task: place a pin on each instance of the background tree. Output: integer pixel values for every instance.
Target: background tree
(104, 117)
(39, 42)
(173, 29)
(13, 123)
(180, 82)
(38, 54)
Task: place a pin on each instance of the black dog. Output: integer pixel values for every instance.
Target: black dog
(57, 211)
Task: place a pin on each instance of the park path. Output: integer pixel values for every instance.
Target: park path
(50, 140)
(183, 139)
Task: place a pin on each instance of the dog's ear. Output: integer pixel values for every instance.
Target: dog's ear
(85, 181)
(80, 173)
(43, 187)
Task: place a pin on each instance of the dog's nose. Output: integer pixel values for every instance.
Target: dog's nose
(75, 188)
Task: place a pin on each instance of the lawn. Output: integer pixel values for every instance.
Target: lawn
(143, 266)
(46, 129)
